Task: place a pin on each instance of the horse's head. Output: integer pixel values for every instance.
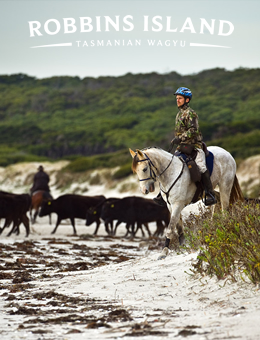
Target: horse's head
(142, 166)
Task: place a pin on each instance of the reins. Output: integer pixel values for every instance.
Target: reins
(168, 192)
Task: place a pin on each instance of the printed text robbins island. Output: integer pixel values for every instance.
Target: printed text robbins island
(126, 24)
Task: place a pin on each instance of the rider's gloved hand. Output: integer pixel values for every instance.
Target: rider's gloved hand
(176, 140)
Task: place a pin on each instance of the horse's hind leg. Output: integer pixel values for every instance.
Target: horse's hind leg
(225, 191)
(35, 216)
(30, 214)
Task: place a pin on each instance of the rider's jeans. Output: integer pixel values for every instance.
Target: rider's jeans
(201, 161)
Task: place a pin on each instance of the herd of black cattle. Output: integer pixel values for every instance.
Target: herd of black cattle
(134, 211)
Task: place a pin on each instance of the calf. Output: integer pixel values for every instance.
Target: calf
(93, 215)
(13, 207)
(70, 206)
(133, 210)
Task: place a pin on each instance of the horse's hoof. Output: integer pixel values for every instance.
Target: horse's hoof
(161, 257)
(163, 254)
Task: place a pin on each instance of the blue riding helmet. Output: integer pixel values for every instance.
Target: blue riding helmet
(184, 91)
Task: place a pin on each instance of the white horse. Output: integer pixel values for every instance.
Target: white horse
(177, 189)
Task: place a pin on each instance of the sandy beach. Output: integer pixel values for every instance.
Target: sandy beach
(83, 287)
(64, 286)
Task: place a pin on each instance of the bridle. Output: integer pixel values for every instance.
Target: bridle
(151, 166)
(153, 175)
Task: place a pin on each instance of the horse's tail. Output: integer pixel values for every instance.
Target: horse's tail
(236, 192)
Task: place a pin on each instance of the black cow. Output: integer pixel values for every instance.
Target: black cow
(93, 215)
(133, 210)
(13, 207)
(70, 206)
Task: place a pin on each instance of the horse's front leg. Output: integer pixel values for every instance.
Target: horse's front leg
(171, 231)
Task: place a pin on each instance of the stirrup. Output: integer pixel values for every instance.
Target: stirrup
(209, 199)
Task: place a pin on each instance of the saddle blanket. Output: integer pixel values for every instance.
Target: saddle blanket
(209, 160)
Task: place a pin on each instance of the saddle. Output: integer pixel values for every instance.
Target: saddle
(195, 174)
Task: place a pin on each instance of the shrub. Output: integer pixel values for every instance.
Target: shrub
(123, 171)
(229, 243)
(81, 164)
(109, 160)
(13, 156)
(95, 180)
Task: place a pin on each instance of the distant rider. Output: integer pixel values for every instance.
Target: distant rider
(40, 181)
(188, 137)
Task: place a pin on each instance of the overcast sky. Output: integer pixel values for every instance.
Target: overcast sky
(235, 44)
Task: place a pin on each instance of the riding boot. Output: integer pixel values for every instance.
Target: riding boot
(209, 192)
(159, 200)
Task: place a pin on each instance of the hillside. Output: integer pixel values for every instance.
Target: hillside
(67, 117)
(18, 178)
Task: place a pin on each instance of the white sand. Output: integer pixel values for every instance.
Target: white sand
(158, 293)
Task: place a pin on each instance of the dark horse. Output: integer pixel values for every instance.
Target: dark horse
(38, 197)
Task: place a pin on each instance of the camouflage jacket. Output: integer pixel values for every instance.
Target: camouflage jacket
(187, 127)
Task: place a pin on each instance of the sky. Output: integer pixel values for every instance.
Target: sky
(112, 38)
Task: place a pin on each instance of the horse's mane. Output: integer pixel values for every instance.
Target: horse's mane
(151, 147)
(136, 159)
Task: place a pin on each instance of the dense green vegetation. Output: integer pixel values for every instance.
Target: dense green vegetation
(229, 243)
(69, 117)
